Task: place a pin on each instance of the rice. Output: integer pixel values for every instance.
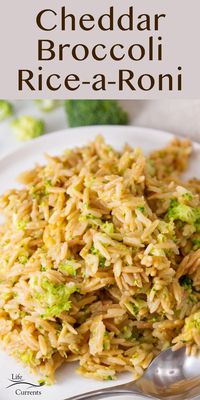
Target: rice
(100, 256)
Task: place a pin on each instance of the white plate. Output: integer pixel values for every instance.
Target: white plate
(68, 382)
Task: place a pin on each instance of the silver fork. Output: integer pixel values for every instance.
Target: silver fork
(170, 376)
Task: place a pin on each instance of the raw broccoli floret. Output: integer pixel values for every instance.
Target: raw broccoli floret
(27, 127)
(95, 112)
(47, 105)
(6, 109)
(182, 212)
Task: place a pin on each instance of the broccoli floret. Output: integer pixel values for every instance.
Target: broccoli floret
(182, 212)
(47, 105)
(6, 109)
(95, 112)
(28, 127)
(55, 297)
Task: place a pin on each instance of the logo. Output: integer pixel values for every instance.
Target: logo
(22, 387)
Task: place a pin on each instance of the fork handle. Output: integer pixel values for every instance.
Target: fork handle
(104, 393)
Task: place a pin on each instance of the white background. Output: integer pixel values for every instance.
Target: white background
(180, 32)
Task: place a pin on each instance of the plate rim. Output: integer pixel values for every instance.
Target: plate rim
(76, 130)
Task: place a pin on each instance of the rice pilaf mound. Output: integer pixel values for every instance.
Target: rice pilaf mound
(100, 257)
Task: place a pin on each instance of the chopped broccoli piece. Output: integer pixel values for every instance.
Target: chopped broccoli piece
(92, 220)
(6, 109)
(193, 321)
(27, 127)
(102, 259)
(187, 196)
(94, 251)
(135, 355)
(186, 282)
(68, 268)
(28, 358)
(133, 308)
(47, 105)
(182, 212)
(197, 223)
(193, 299)
(95, 112)
(197, 323)
(47, 185)
(41, 382)
(22, 314)
(141, 208)
(55, 297)
(86, 217)
(19, 224)
(154, 318)
(196, 244)
(6, 296)
(127, 332)
(108, 378)
(106, 341)
(23, 259)
(108, 227)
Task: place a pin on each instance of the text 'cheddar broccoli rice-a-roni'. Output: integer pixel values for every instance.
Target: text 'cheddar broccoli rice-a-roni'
(99, 262)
